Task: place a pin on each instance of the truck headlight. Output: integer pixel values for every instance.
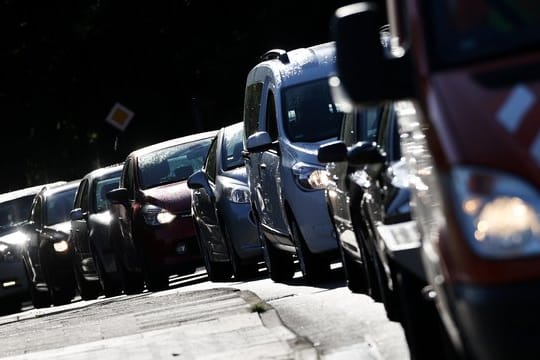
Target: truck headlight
(499, 213)
(154, 215)
(310, 177)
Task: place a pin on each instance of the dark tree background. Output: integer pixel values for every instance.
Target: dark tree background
(180, 66)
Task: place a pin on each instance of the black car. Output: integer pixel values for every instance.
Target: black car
(368, 196)
(47, 253)
(220, 203)
(94, 258)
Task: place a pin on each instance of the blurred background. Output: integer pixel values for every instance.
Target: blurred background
(179, 66)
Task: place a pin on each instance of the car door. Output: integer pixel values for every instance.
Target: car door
(272, 215)
(79, 227)
(124, 214)
(204, 197)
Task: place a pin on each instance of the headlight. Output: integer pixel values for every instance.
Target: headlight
(499, 213)
(237, 194)
(310, 177)
(61, 246)
(3, 247)
(154, 215)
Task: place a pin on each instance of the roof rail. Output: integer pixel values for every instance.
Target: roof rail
(275, 54)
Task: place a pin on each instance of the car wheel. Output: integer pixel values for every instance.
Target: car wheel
(280, 264)
(88, 290)
(40, 299)
(217, 271)
(156, 281)
(132, 281)
(109, 286)
(314, 268)
(10, 306)
(421, 321)
(355, 273)
(240, 271)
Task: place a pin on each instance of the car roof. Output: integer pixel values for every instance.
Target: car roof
(50, 189)
(31, 190)
(299, 65)
(103, 171)
(172, 142)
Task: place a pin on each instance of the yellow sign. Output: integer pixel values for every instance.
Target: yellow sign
(119, 116)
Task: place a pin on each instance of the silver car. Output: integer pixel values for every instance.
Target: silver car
(288, 114)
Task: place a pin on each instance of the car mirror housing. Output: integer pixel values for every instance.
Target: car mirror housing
(118, 196)
(197, 180)
(76, 214)
(259, 142)
(334, 151)
(364, 153)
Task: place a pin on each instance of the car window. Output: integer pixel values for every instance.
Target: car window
(14, 212)
(172, 164)
(252, 105)
(81, 199)
(210, 166)
(35, 216)
(232, 147)
(102, 187)
(59, 206)
(309, 112)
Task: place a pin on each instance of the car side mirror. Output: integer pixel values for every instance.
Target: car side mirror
(76, 214)
(258, 142)
(197, 180)
(364, 153)
(118, 196)
(334, 151)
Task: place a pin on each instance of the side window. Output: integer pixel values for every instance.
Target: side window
(82, 196)
(271, 120)
(127, 178)
(35, 216)
(252, 107)
(210, 165)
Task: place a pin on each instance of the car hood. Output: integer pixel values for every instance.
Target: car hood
(64, 227)
(306, 152)
(503, 133)
(175, 197)
(238, 173)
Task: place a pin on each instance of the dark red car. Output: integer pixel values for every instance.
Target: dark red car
(152, 212)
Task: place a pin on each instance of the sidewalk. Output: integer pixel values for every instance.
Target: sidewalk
(221, 323)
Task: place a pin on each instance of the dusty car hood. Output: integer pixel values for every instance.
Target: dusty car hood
(175, 197)
(503, 133)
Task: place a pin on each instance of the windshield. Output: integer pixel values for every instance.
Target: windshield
(232, 147)
(173, 164)
(59, 206)
(14, 212)
(309, 112)
(465, 30)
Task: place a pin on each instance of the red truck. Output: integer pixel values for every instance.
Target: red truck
(464, 76)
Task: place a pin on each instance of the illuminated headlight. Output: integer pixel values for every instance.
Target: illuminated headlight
(499, 213)
(154, 215)
(310, 177)
(3, 248)
(61, 246)
(237, 194)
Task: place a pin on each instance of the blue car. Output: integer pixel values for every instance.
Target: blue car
(227, 234)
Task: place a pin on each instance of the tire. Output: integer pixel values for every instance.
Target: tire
(355, 273)
(88, 290)
(389, 296)
(280, 264)
(156, 281)
(40, 299)
(423, 328)
(109, 286)
(217, 271)
(240, 271)
(315, 269)
(132, 281)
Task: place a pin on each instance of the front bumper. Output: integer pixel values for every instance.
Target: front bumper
(172, 247)
(13, 280)
(499, 322)
(242, 231)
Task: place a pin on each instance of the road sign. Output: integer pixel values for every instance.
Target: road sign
(119, 116)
